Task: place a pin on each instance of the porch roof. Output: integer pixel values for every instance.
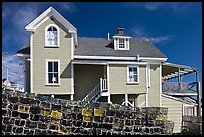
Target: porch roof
(170, 70)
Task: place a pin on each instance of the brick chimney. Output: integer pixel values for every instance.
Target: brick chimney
(120, 31)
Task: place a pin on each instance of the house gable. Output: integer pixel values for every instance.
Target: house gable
(52, 13)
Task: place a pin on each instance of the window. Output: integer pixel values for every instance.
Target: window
(121, 43)
(133, 74)
(51, 35)
(189, 110)
(52, 74)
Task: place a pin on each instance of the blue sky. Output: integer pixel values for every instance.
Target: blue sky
(174, 27)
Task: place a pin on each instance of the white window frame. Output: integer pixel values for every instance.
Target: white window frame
(126, 42)
(46, 73)
(185, 105)
(58, 35)
(123, 43)
(128, 80)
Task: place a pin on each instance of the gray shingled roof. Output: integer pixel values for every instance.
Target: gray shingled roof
(25, 49)
(104, 47)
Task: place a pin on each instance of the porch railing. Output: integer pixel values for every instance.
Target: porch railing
(103, 84)
(92, 94)
(176, 87)
(95, 93)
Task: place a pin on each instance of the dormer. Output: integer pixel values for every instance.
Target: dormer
(121, 42)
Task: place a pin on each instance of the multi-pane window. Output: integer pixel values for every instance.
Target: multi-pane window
(51, 36)
(133, 74)
(188, 110)
(53, 72)
(121, 43)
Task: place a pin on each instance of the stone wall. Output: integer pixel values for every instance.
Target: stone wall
(31, 114)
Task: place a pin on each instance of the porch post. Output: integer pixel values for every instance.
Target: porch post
(109, 101)
(198, 92)
(179, 80)
(126, 99)
(71, 97)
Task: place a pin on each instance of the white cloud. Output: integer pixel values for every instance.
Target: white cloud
(151, 6)
(137, 31)
(14, 66)
(68, 6)
(140, 32)
(159, 39)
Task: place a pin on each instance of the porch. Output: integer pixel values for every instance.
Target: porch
(90, 82)
(172, 82)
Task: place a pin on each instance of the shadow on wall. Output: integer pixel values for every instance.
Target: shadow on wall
(67, 71)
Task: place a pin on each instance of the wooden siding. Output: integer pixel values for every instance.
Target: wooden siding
(175, 111)
(154, 90)
(41, 53)
(118, 80)
(86, 78)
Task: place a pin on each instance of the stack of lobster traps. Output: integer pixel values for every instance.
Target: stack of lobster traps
(31, 114)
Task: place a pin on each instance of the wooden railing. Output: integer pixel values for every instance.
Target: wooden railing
(92, 94)
(176, 87)
(102, 86)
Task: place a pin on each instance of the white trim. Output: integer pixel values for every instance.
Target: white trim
(152, 59)
(72, 47)
(147, 88)
(127, 81)
(127, 63)
(72, 78)
(160, 84)
(93, 63)
(122, 58)
(48, 13)
(46, 74)
(104, 57)
(31, 62)
(105, 94)
(122, 37)
(110, 62)
(149, 75)
(58, 36)
(40, 23)
(108, 83)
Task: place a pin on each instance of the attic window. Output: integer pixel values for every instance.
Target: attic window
(121, 43)
(51, 36)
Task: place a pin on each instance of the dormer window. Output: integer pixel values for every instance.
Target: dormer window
(121, 42)
(51, 36)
